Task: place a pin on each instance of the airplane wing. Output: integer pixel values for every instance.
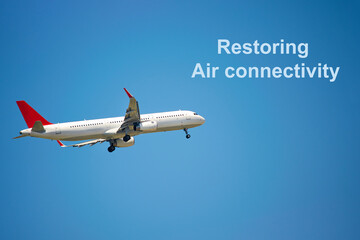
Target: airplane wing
(132, 113)
(91, 143)
(132, 116)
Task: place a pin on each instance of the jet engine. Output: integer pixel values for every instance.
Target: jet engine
(146, 126)
(119, 142)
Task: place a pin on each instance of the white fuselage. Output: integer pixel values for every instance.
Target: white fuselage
(108, 128)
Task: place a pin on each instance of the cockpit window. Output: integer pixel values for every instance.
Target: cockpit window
(195, 114)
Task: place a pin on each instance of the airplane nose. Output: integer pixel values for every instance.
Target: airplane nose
(202, 119)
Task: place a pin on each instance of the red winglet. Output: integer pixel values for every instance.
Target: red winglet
(30, 115)
(130, 96)
(60, 143)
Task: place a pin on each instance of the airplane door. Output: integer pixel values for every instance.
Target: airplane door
(57, 129)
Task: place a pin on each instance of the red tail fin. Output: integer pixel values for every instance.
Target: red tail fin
(30, 115)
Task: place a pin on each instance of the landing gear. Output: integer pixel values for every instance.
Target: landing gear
(126, 138)
(187, 134)
(111, 148)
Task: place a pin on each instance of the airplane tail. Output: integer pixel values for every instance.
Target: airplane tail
(30, 115)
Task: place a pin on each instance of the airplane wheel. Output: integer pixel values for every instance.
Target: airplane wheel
(111, 148)
(188, 136)
(126, 138)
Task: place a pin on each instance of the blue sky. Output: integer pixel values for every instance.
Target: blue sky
(276, 158)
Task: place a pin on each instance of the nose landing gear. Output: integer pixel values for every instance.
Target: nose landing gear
(187, 134)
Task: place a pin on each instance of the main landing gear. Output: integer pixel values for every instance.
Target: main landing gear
(126, 138)
(111, 148)
(187, 134)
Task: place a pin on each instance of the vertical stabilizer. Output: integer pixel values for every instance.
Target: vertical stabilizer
(30, 115)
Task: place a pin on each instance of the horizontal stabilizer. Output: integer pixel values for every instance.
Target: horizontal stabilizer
(21, 136)
(38, 127)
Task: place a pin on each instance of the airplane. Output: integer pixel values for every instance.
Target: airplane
(118, 131)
